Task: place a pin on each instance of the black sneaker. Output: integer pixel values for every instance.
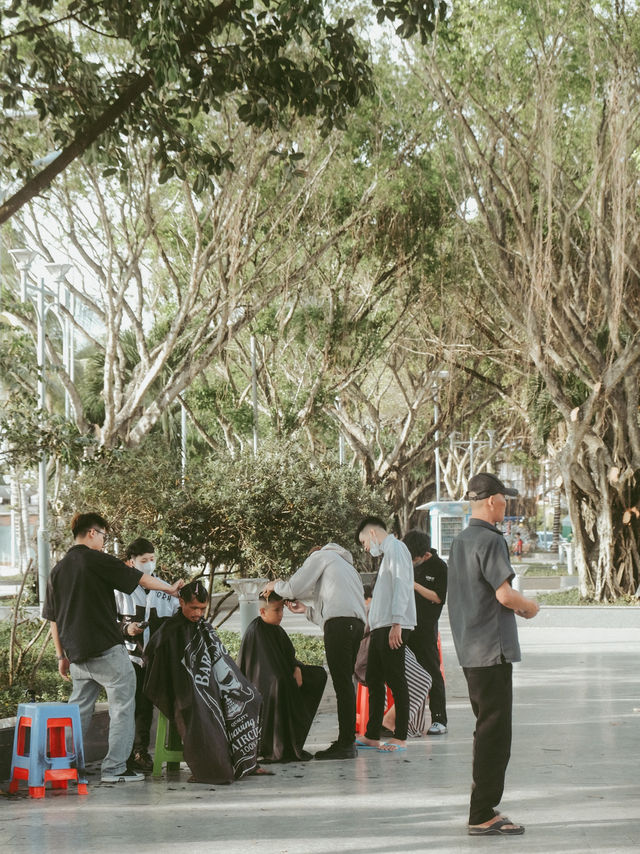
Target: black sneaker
(338, 751)
(127, 776)
(140, 761)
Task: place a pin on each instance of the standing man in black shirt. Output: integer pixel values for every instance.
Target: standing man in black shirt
(81, 607)
(430, 587)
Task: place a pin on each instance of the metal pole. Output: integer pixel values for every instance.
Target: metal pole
(254, 394)
(183, 441)
(437, 437)
(340, 438)
(43, 539)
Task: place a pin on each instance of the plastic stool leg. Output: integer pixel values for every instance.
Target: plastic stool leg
(161, 734)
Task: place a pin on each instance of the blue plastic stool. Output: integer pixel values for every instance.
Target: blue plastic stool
(45, 757)
(167, 750)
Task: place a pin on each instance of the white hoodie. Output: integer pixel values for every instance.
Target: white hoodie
(328, 584)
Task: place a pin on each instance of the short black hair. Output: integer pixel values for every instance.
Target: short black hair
(369, 520)
(194, 590)
(272, 596)
(138, 547)
(82, 523)
(418, 542)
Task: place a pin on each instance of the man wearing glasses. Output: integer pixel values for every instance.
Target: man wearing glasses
(80, 605)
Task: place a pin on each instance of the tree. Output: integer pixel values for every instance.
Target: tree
(165, 64)
(201, 268)
(541, 109)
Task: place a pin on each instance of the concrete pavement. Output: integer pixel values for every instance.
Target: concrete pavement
(572, 780)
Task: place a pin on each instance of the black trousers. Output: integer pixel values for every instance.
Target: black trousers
(144, 713)
(342, 636)
(423, 640)
(385, 666)
(491, 695)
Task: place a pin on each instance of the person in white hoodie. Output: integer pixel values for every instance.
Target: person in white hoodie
(392, 617)
(328, 588)
(139, 615)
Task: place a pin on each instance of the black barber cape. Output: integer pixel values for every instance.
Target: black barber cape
(193, 680)
(267, 658)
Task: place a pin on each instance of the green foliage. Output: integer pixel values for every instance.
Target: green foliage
(33, 675)
(27, 433)
(572, 597)
(149, 69)
(260, 514)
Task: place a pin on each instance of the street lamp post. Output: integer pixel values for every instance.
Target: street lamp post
(58, 273)
(23, 259)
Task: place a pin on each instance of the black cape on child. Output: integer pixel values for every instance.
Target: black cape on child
(267, 658)
(194, 682)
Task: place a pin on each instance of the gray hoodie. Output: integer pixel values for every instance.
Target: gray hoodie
(328, 584)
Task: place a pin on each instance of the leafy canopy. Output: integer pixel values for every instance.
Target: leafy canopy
(78, 75)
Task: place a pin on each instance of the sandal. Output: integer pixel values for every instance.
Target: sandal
(502, 826)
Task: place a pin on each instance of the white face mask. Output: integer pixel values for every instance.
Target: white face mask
(374, 549)
(147, 567)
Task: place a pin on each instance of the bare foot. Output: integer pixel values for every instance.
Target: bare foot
(370, 742)
(392, 746)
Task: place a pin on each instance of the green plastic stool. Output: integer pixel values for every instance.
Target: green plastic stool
(168, 747)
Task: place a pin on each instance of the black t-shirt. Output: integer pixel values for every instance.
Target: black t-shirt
(81, 602)
(431, 574)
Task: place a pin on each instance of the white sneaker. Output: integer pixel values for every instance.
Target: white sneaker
(436, 728)
(126, 777)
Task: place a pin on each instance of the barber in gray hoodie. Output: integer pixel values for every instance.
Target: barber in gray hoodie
(327, 587)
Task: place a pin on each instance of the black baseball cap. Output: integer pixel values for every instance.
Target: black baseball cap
(485, 484)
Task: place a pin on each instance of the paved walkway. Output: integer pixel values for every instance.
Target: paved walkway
(572, 780)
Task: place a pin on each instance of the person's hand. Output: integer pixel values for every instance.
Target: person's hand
(395, 636)
(268, 588)
(134, 629)
(175, 588)
(296, 607)
(297, 675)
(529, 610)
(63, 667)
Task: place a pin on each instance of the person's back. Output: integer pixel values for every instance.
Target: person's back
(81, 594)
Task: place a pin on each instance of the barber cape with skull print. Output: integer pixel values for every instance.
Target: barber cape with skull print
(194, 682)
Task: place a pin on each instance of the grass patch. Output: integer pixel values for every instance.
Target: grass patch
(572, 597)
(534, 570)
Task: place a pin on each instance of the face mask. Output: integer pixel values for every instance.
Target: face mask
(146, 567)
(374, 549)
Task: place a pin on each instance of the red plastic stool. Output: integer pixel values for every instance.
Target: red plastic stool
(362, 707)
(40, 748)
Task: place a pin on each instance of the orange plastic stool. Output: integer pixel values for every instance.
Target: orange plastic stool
(362, 707)
(40, 750)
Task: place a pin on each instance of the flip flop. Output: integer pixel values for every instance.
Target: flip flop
(361, 745)
(389, 747)
(502, 827)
